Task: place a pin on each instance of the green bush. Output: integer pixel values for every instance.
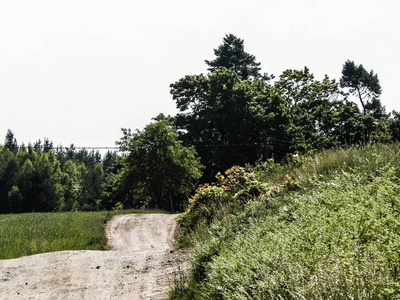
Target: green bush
(232, 191)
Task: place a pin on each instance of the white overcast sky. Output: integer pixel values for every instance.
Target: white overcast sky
(77, 71)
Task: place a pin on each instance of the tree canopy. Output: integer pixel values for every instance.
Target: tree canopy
(361, 83)
(158, 168)
(41, 178)
(231, 55)
(226, 117)
(231, 116)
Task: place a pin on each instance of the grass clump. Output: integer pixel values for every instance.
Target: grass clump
(33, 233)
(334, 235)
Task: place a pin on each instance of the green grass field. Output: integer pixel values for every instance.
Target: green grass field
(33, 233)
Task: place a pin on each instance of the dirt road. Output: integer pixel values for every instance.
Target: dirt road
(141, 264)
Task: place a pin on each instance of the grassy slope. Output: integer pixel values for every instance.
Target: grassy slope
(33, 233)
(336, 236)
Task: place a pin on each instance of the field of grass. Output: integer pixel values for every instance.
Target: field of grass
(328, 228)
(33, 233)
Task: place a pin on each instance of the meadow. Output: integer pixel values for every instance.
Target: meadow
(320, 227)
(33, 233)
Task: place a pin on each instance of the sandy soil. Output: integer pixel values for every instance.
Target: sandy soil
(141, 264)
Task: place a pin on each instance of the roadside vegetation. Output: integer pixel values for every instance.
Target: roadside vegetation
(33, 233)
(321, 227)
(232, 115)
(299, 183)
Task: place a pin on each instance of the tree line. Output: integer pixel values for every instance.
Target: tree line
(233, 115)
(40, 178)
(253, 116)
(154, 171)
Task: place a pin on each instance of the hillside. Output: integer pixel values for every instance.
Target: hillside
(323, 227)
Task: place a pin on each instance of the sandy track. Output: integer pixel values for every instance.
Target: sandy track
(140, 265)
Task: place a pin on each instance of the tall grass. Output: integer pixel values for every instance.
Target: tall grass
(335, 236)
(33, 233)
(367, 160)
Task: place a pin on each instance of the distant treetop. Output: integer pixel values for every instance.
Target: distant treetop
(231, 55)
(361, 83)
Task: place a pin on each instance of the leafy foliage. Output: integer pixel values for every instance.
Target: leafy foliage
(231, 116)
(43, 179)
(365, 85)
(232, 191)
(234, 115)
(313, 109)
(226, 118)
(157, 167)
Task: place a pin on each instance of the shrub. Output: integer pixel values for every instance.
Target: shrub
(230, 193)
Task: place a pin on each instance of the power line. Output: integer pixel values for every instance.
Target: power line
(95, 148)
(269, 142)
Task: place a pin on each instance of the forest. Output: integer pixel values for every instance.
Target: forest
(234, 115)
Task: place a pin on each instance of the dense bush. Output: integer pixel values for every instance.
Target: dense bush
(231, 192)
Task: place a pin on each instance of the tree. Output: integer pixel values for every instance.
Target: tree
(347, 128)
(8, 176)
(40, 181)
(157, 167)
(361, 83)
(92, 185)
(10, 141)
(395, 125)
(228, 119)
(231, 55)
(72, 184)
(311, 105)
(45, 147)
(374, 123)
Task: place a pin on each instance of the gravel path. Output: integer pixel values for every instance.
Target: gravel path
(141, 264)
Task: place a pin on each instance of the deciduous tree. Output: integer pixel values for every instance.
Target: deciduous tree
(311, 105)
(228, 119)
(157, 167)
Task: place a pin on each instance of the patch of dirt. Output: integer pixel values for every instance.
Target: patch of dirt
(141, 264)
